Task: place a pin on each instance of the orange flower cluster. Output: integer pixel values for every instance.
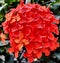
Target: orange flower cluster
(31, 26)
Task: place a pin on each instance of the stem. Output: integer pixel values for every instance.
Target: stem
(32, 1)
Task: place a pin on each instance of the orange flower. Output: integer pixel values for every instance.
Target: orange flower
(17, 43)
(3, 37)
(21, 41)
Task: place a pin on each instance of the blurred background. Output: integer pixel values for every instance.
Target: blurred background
(5, 6)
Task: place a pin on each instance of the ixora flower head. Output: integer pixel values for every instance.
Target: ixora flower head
(31, 26)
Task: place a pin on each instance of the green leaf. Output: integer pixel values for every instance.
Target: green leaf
(52, 0)
(58, 16)
(1, 1)
(1, 61)
(51, 61)
(58, 1)
(10, 1)
(43, 58)
(1, 44)
(3, 6)
(9, 59)
(57, 55)
(1, 17)
(28, 1)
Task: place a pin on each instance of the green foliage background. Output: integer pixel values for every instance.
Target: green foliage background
(6, 5)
